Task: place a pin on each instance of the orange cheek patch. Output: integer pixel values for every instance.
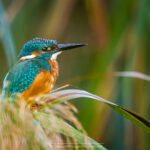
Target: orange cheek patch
(54, 46)
(36, 53)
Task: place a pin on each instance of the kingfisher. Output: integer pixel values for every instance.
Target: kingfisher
(36, 70)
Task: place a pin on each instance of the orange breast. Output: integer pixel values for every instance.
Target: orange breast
(42, 84)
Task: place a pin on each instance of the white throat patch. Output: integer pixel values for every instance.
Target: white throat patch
(27, 57)
(54, 56)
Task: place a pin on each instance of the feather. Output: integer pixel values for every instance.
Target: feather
(22, 75)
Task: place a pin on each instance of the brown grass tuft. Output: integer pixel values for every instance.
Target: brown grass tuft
(19, 130)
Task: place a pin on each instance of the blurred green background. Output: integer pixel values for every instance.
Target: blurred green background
(117, 33)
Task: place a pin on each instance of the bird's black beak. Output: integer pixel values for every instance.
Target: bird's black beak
(63, 47)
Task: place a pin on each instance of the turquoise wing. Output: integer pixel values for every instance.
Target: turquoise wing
(22, 75)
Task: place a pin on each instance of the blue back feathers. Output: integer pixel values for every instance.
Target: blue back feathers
(35, 45)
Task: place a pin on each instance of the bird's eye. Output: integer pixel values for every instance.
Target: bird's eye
(44, 49)
(49, 48)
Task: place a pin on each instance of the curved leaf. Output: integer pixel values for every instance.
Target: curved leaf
(69, 94)
(133, 74)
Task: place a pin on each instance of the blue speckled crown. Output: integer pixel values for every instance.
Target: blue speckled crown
(35, 45)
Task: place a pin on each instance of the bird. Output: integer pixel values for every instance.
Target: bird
(36, 71)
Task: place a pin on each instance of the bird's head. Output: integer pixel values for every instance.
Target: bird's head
(38, 46)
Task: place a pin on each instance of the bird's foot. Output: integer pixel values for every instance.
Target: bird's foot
(35, 107)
